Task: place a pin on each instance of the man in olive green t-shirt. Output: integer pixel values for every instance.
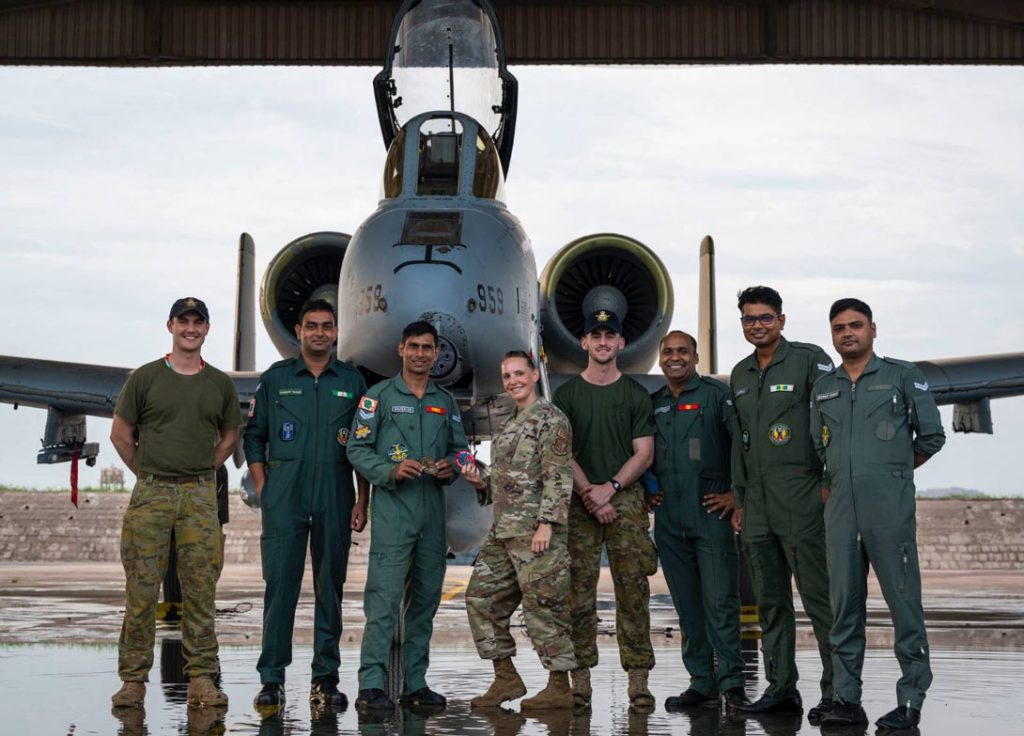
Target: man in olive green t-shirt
(186, 416)
(613, 444)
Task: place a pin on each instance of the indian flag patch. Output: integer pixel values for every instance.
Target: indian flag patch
(342, 394)
(781, 387)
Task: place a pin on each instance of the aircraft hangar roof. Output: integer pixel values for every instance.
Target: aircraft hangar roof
(350, 32)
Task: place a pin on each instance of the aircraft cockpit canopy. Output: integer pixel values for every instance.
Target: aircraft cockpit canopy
(447, 55)
(439, 165)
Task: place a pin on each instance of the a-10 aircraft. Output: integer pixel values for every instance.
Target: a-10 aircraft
(443, 246)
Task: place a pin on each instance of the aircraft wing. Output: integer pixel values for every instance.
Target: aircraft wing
(70, 392)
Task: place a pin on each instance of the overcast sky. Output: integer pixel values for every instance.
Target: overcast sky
(121, 190)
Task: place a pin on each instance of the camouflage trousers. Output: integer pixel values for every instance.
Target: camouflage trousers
(508, 572)
(188, 507)
(633, 558)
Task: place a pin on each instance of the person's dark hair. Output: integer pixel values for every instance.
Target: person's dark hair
(760, 295)
(316, 305)
(687, 335)
(417, 328)
(520, 354)
(841, 305)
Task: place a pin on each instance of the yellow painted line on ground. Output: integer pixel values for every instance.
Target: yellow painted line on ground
(457, 589)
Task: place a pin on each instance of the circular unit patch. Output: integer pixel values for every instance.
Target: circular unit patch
(780, 434)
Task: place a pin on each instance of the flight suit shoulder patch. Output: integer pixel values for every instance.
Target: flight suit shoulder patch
(562, 442)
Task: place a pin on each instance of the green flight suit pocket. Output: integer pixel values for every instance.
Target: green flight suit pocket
(886, 419)
(287, 430)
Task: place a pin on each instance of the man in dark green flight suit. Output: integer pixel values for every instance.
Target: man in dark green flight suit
(779, 497)
(873, 422)
(694, 419)
(404, 440)
(299, 423)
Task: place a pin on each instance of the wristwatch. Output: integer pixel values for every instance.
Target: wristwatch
(616, 485)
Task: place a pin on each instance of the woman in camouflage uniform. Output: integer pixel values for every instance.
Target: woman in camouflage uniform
(525, 558)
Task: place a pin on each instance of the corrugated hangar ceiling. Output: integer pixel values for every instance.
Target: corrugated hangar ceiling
(340, 32)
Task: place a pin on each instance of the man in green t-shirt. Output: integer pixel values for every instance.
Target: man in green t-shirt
(613, 444)
(176, 421)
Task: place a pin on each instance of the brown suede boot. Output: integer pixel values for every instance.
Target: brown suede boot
(581, 690)
(639, 695)
(202, 691)
(556, 696)
(131, 695)
(507, 685)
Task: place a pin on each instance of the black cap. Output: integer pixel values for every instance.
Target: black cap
(189, 304)
(603, 318)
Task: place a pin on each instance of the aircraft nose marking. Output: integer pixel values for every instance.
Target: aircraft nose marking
(428, 255)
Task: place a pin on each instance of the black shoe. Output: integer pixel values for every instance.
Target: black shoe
(734, 698)
(424, 697)
(690, 698)
(324, 691)
(845, 714)
(771, 704)
(902, 716)
(272, 694)
(823, 708)
(373, 699)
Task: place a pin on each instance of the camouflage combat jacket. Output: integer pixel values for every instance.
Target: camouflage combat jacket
(531, 471)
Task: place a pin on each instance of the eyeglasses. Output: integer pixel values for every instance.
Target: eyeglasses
(749, 320)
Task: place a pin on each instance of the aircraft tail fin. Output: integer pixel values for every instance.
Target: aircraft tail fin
(244, 358)
(707, 323)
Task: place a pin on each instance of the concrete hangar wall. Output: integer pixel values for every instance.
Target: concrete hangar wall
(349, 32)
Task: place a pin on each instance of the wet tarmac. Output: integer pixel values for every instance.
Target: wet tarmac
(58, 632)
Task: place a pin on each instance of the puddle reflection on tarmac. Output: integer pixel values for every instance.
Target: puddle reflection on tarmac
(66, 688)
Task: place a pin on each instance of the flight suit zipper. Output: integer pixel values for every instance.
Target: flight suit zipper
(849, 463)
(316, 432)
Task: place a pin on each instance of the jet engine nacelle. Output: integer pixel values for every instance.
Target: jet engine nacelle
(306, 268)
(604, 271)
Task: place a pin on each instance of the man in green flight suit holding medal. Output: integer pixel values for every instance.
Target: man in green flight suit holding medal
(403, 440)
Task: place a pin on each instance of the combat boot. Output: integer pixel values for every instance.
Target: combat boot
(581, 690)
(202, 691)
(507, 685)
(131, 695)
(556, 695)
(639, 695)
